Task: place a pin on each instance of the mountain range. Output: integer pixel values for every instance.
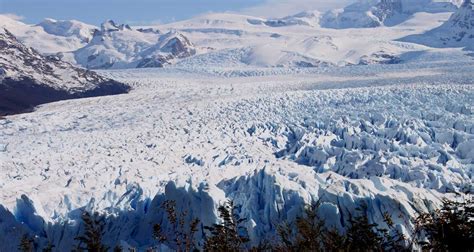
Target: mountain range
(306, 39)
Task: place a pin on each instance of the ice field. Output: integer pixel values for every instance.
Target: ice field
(399, 137)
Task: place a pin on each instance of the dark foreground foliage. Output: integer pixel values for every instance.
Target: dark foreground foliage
(229, 235)
(310, 233)
(91, 239)
(182, 235)
(450, 228)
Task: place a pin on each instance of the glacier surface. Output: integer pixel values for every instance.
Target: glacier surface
(397, 137)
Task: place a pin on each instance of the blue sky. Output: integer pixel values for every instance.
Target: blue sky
(153, 11)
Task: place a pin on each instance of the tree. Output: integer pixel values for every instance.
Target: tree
(91, 240)
(182, 237)
(365, 236)
(334, 241)
(306, 234)
(48, 248)
(229, 235)
(26, 244)
(362, 235)
(310, 233)
(450, 228)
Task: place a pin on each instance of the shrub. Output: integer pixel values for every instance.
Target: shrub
(450, 228)
(310, 233)
(228, 235)
(26, 244)
(91, 240)
(182, 237)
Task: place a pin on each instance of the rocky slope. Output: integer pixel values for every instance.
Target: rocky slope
(29, 78)
(458, 31)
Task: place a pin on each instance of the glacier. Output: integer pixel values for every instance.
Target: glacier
(397, 137)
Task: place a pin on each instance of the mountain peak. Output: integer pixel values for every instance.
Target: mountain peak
(463, 18)
(177, 44)
(110, 26)
(458, 31)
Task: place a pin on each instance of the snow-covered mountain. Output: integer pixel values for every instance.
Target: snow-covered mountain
(230, 39)
(68, 28)
(29, 78)
(49, 37)
(458, 31)
(120, 46)
(374, 13)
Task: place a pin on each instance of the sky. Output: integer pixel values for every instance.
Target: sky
(143, 12)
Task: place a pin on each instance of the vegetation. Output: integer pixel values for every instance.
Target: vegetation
(26, 244)
(228, 235)
(451, 228)
(306, 234)
(309, 233)
(48, 248)
(181, 237)
(91, 240)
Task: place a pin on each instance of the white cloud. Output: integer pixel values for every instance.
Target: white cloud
(279, 8)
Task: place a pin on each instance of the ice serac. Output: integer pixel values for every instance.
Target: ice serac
(458, 31)
(120, 46)
(28, 78)
(375, 13)
(129, 222)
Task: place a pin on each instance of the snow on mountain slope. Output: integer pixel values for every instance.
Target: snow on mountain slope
(308, 18)
(458, 31)
(256, 56)
(50, 39)
(397, 137)
(374, 13)
(301, 47)
(68, 28)
(238, 42)
(120, 46)
(28, 78)
(217, 20)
